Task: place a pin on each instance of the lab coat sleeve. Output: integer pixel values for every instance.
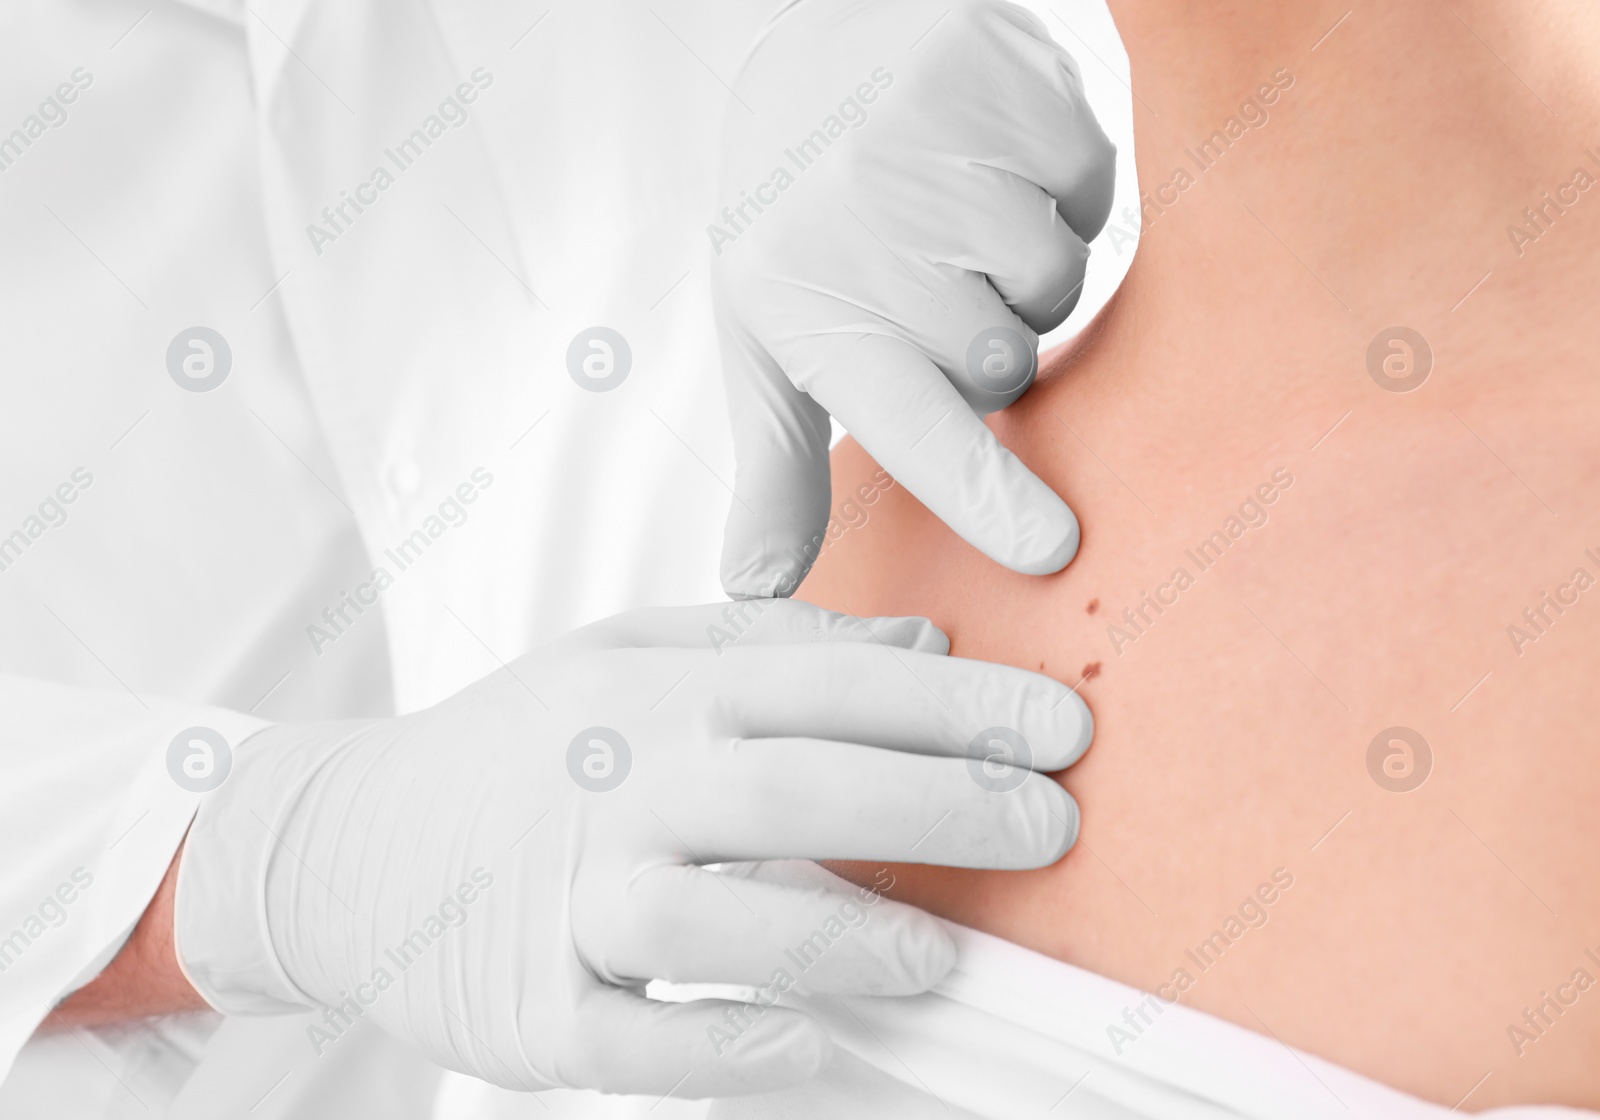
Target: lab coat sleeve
(90, 816)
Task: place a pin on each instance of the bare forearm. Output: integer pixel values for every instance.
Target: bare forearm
(143, 980)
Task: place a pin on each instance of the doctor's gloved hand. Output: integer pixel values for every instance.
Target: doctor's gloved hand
(494, 879)
(908, 187)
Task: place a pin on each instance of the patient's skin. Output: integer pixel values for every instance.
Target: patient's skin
(1232, 733)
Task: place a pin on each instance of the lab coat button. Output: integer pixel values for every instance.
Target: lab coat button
(405, 479)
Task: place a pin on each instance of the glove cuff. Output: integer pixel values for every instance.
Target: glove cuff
(221, 927)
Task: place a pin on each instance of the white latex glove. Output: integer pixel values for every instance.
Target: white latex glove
(909, 186)
(518, 860)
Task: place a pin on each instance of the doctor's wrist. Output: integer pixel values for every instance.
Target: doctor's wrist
(143, 980)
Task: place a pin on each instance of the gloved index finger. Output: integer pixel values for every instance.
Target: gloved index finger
(898, 699)
(907, 415)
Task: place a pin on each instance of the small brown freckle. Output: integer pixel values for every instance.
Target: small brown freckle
(1091, 670)
(1094, 605)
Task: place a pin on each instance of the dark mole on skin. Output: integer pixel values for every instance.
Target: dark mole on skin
(1091, 670)
(1094, 605)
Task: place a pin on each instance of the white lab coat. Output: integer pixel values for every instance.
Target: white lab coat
(207, 568)
(422, 350)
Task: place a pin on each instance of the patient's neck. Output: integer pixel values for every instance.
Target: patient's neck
(1380, 185)
(1377, 193)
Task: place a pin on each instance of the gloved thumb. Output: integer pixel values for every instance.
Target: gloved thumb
(781, 482)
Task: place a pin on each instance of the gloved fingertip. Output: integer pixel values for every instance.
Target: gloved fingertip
(772, 586)
(784, 1047)
(750, 574)
(813, 1051)
(927, 954)
(931, 639)
(740, 595)
(1044, 822)
(910, 632)
(1079, 743)
(1071, 730)
(1049, 546)
(1065, 821)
